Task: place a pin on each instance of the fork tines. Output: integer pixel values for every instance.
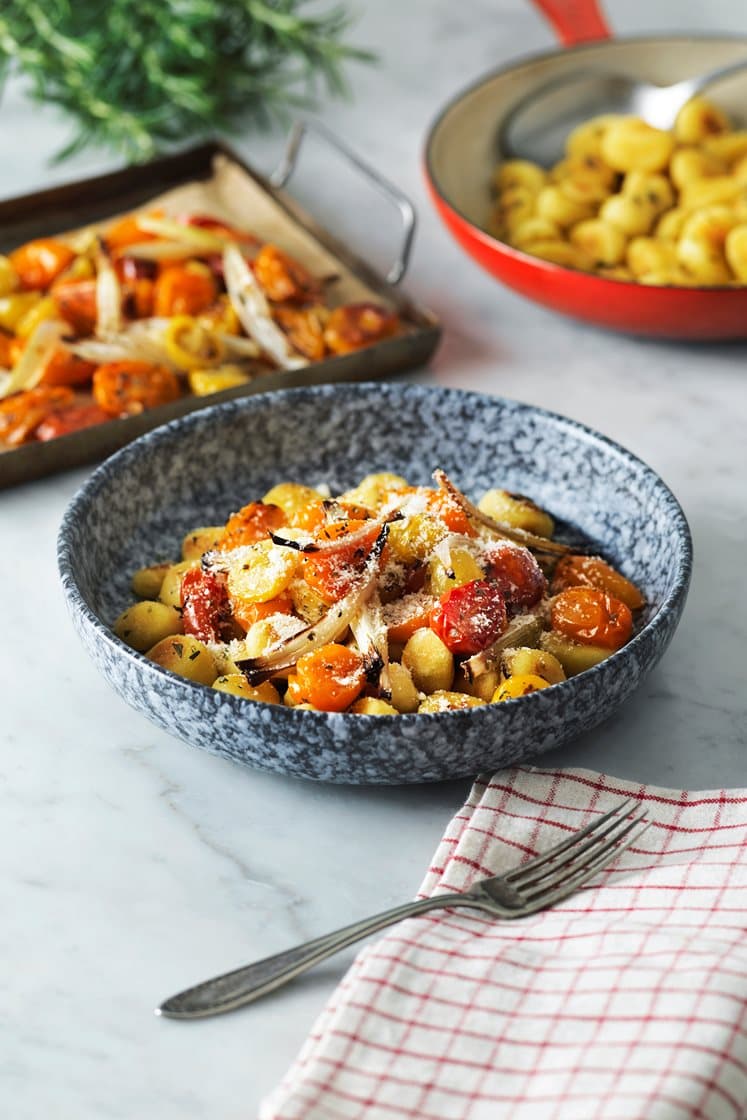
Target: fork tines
(573, 862)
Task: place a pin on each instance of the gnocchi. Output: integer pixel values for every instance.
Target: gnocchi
(634, 203)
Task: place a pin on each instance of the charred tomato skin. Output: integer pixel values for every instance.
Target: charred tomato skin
(469, 618)
(206, 608)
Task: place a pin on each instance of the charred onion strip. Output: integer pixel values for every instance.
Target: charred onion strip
(500, 528)
(329, 628)
(108, 294)
(307, 544)
(370, 633)
(40, 347)
(251, 306)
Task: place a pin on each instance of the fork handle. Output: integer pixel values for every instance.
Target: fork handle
(244, 985)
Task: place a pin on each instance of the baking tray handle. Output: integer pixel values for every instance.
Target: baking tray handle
(287, 165)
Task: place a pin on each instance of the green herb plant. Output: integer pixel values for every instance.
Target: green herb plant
(140, 75)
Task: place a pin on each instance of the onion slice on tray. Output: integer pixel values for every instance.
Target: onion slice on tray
(500, 528)
(329, 628)
(40, 346)
(250, 304)
(108, 294)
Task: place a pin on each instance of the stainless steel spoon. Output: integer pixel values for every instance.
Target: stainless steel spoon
(536, 127)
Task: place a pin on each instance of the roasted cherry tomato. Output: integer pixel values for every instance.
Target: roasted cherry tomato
(588, 615)
(330, 678)
(253, 523)
(518, 573)
(127, 388)
(6, 351)
(448, 510)
(356, 325)
(76, 303)
(39, 262)
(183, 290)
(22, 413)
(247, 613)
(216, 226)
(304, 327)
(206, 609)
(333, 576)
(592, 571)
(71, 420)
(469, 618)
(127, 231)
(406, 615)
(281, 277)
(64, 368)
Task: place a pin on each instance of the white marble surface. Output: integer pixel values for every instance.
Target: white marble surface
(131, 864)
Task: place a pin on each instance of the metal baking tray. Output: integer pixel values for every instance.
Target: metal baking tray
(87, 201)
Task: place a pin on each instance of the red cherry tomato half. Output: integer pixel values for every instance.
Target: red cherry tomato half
(518, 574)
(206, 612)
(470, 618)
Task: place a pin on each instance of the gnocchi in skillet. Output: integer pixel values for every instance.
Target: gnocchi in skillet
(386, 599)
(632, 202)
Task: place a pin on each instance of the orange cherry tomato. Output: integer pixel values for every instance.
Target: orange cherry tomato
(71, 420)
(305, 330)
(588, 615)
(592, 571)
(408, 614)
(333, 576)
(183, 290)
(314, 515)
(76, 303)
(23, 412)
(253, 523)
(39, 262)
(127, 388)
(127, 231)
(64, 368)
(356, 325)
(448, 510)
(247, 613)
(331, 678)
(6, 351)
(281, 277)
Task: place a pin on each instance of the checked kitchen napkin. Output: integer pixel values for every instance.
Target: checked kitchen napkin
(628, 1001)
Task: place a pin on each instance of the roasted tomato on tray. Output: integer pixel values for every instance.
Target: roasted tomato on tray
(100, 325)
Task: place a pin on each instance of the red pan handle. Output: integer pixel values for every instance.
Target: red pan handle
(575, 21)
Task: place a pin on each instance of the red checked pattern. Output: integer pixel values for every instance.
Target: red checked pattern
(626, 1002)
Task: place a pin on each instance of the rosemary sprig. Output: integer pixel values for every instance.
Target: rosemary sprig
(138, 75)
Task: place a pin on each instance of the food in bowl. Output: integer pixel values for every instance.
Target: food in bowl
(96, 326)
(631, 202)
(386, 599)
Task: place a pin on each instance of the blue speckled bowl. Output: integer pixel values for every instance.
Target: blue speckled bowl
(138, 505)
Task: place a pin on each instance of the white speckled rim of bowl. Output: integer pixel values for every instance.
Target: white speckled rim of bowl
(105, 648)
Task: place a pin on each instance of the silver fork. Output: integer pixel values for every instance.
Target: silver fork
(533, 886)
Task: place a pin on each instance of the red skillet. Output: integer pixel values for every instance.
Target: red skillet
(460, 155)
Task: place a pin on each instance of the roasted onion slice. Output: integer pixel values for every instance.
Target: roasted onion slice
(500, 528)
(329, 628)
